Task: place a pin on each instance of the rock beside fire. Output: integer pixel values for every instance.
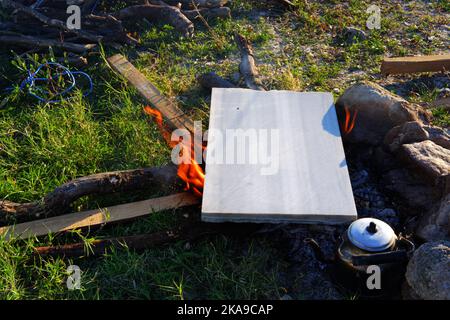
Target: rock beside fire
(439, 136)
(435, 224)
(431, 160)
(428, 271)
(409, 132)
(410, 189)
(378, 111)
(414, 131)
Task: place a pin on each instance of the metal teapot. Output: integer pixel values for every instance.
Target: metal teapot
(370, 245)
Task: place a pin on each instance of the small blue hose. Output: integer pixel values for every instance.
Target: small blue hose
(37, 4)
(94, 6)
(31, 81)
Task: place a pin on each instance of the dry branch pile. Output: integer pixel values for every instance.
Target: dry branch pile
(41, 24)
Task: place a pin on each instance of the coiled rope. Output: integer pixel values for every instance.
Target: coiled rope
(38, 91)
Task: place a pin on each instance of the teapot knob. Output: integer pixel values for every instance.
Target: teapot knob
(372, 228)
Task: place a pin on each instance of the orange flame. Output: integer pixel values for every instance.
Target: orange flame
(349, 121)
(157, 116)
(191, 173)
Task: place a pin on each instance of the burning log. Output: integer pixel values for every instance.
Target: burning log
(59, 201)
(98, 217)
(247, 66)
(189, 172)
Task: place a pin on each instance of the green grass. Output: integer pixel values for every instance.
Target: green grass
(43, 146)
(441, 117)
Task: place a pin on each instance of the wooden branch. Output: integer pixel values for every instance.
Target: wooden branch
(189, 232)
(59, 201)
(199, 3)
(137, 242)
(98, 217)
(109, 27)
(167, 14)
(415, 64)
(48, 21)
(33, 42)
(74, 60)
(221, 12)
(175, 117)
(213, 80)
(247, 67)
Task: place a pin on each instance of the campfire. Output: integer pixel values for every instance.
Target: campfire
(189, 171)
(349, 122)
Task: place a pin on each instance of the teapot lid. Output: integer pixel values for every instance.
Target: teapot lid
(371, 234)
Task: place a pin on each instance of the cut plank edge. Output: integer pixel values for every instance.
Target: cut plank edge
(97, 217)
(415, 64)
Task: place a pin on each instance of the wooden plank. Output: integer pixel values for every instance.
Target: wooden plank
(98, 217)
(303, 178)
(432, 63)
(175, 118)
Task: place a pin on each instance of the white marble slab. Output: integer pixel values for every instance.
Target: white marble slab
(311, 184)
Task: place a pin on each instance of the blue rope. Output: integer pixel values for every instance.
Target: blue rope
(37, 4)
(94, 6)
(32, 79)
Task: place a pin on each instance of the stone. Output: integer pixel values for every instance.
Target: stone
(429, 159)
(435, 224)
(408, 293)
(409, 132)
(384, 161)
(414, 131)
(352, 35)
(412, 190)
(377, 111)
(439, 136)
(428, 271)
